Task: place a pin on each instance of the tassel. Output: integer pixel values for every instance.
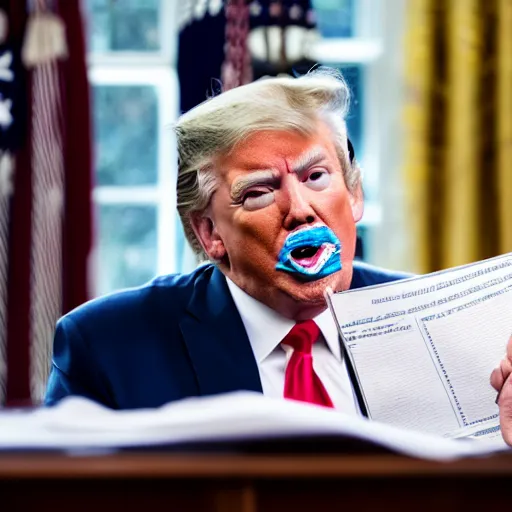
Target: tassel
(6, 174)
(45, 39)
(3, 26)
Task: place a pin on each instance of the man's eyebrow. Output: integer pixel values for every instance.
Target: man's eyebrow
(264, 176)
(308, 159)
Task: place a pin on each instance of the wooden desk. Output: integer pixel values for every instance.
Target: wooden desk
(251, 483)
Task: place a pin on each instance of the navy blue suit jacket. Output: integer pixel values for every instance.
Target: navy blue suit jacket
(178, 336)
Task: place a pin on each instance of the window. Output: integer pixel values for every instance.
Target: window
(135, 99)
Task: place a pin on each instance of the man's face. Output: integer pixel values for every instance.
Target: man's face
(271, 187)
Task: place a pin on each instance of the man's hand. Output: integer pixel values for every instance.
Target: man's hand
(501, 382)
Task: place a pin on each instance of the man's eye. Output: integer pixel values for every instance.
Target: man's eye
(318, 180)
(256, 199)
(315, 175)
(254, 193)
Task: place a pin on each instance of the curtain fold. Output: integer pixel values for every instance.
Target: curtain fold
(463, 144)
(49, 212)
(458, 111)
(419, 38)
(78, 161)
(504, 124)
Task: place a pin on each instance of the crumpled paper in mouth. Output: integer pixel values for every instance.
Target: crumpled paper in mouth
(329, 260)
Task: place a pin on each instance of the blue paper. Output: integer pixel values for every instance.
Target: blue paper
(321, 237)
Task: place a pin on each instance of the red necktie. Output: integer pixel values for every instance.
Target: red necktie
(300, 381)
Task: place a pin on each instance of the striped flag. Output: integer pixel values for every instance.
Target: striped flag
(45, 209)
(44, 46)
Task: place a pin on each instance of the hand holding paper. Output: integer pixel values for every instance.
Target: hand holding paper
(501, 382)
(423, 348)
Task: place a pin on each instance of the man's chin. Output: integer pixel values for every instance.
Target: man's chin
(312, 292)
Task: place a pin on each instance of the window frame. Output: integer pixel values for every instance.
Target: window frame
(154, 69)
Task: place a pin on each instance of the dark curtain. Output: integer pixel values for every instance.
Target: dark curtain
(78, 162)
(200, 57)
(202, 43)
(17, 389)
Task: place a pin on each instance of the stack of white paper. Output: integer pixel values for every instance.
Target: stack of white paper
(77, 423)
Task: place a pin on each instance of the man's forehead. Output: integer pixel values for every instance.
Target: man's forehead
(280, 155)
(278, 151)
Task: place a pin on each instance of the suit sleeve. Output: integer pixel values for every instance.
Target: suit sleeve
(74, 369)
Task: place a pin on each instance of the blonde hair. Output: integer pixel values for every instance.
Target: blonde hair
(217, 125)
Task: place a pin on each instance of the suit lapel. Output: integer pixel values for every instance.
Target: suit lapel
(216, 340)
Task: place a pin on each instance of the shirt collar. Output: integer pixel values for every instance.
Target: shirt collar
(266, 328)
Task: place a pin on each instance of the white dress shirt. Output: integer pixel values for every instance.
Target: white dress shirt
(266, 329)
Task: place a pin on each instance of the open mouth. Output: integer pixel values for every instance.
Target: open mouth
(311, 257)
(306, 256)
(312, 252)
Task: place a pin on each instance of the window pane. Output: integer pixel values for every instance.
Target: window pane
(335, 18)
(127, 246)
(126, 131)
(354, 77)
(123, 25)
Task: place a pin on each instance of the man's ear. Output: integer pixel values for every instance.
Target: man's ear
(357, 203)
(208, 236)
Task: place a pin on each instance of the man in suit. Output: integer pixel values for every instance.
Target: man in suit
(267, 191)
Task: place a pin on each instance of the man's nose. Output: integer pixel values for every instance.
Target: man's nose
(300, 210)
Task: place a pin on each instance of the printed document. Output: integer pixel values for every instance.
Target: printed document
(423, 348)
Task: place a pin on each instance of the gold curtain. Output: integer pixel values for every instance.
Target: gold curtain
(458, 130)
